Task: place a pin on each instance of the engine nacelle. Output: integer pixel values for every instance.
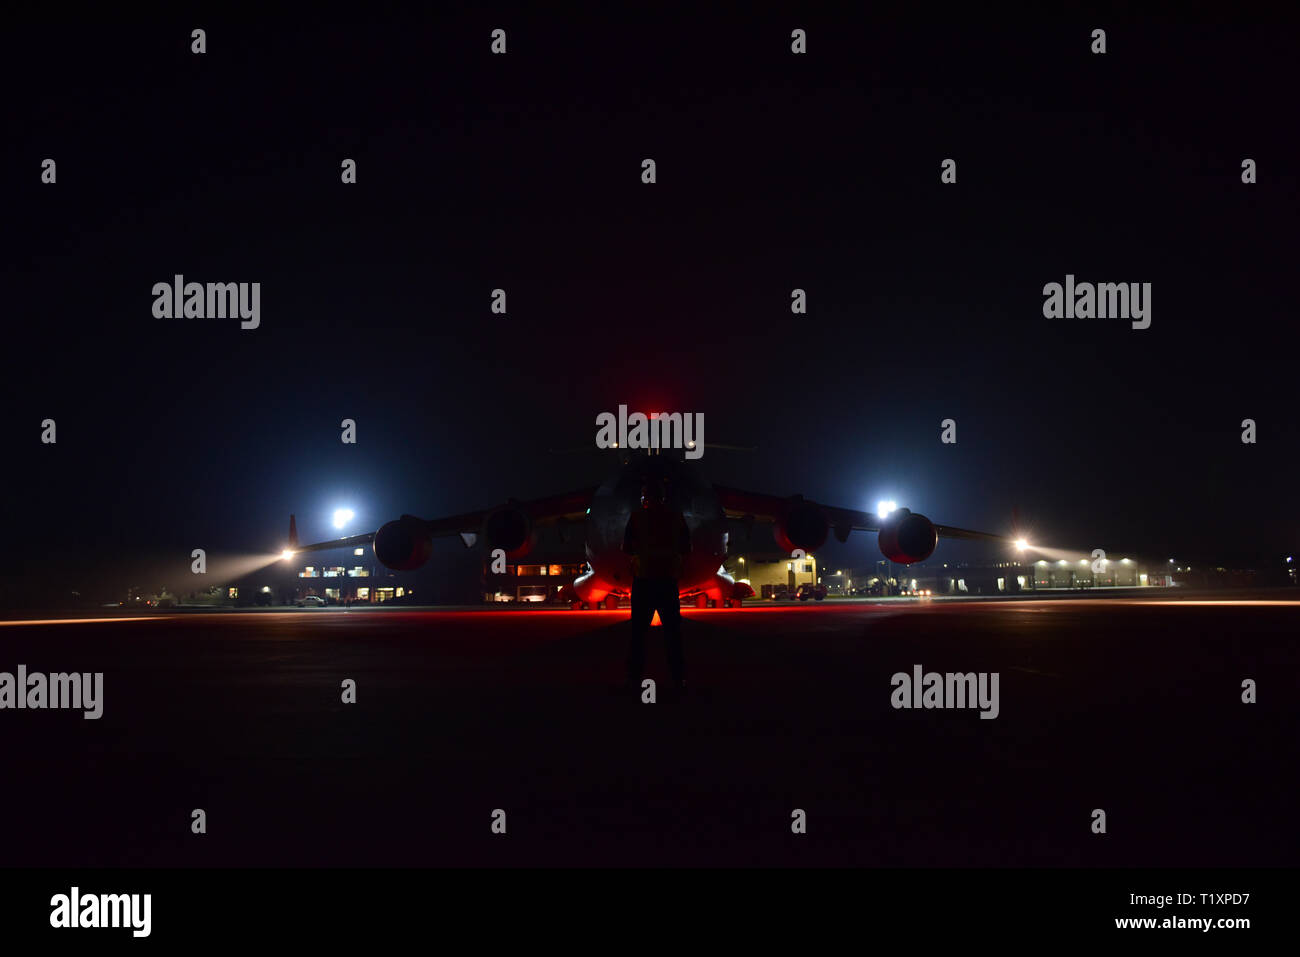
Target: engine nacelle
(802, 526)
(510, 530)
(403, 544)
(908, 538)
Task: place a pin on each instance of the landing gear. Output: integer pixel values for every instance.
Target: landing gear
(611, 602)
(701, 601)
(578, 606)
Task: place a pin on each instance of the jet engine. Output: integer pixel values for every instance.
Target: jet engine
(510, 530)
(403, 544)
(803, 525)
(908, 538)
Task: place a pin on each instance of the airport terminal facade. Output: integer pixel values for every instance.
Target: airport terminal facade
(539, 575)
(362, 581)
(774, 574)
(996, 578)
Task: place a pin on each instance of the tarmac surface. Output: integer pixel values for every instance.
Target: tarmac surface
(1132, 706)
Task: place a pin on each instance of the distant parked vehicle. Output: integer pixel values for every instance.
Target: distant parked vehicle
(311, 601)
(808, 590)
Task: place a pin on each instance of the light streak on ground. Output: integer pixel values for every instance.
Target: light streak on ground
(1224, 603)
(81, 621)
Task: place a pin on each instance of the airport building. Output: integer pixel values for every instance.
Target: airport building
(554, 560)
(772, 573)
(361, 581)
(530, 580)
(342, 584)
(996, 578)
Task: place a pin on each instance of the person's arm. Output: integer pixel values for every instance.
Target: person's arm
(629, 540)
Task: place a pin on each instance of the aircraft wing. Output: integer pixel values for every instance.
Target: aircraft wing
(739, 504)
(570, 506)
(948, 531)
(352, 541)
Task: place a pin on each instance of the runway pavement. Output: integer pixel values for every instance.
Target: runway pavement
(1133, 707)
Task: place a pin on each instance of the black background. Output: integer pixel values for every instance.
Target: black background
(522, 171)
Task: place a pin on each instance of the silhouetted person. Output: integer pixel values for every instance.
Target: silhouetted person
(658, 541)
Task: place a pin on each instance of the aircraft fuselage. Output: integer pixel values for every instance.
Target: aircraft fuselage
(690, 493)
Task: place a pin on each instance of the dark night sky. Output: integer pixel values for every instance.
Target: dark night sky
(523, 172)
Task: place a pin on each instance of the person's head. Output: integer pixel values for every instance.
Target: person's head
(652, 494)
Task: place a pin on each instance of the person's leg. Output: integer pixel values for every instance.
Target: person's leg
(670, 613)
(643, 610)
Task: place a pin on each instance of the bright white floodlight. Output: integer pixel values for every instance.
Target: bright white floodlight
(1021, 544)
(884, 509)
(287, 555)
(342, 516)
